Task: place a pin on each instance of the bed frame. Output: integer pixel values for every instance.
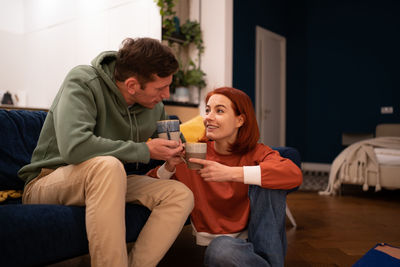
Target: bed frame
(389, 174)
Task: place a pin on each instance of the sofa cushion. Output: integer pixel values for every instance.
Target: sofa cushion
(18, 137)
(36, 235)
(193, 130)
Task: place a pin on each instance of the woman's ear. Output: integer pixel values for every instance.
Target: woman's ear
(132, 84)
(240, 120)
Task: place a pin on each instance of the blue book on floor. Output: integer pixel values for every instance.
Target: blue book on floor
(382, 255)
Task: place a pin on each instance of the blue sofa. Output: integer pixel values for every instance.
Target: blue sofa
(37, 235)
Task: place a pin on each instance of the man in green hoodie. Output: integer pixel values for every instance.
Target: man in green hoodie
(101, 118)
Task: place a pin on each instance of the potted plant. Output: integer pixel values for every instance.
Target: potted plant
(168, 17)
(190, 78)
(192, 32)
(187, 83)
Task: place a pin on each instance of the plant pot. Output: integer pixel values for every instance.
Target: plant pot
(194, 94)
(181, 94)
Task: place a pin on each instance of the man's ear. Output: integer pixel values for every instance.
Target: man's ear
(132, 84)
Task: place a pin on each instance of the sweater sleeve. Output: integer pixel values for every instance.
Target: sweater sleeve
(278, 172)
(74, 122)
(161, 172)
(252, 175)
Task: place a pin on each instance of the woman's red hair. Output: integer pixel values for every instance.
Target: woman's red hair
(248, 133)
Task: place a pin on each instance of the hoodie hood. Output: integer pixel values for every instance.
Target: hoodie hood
(104, 64)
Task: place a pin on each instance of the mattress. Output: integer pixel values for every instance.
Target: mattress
(387, 156)
(389, 177)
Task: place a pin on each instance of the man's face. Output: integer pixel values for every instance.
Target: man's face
(153, 92)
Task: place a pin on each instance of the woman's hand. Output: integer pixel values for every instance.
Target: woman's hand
(177, 159)
(172, 162)
(216, 172)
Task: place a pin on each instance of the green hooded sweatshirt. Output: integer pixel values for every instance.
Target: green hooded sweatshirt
(89, 117)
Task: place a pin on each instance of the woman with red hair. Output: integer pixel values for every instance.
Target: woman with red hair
(240, 193)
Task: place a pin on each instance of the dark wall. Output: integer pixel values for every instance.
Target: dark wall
(246, 15)
(342, 66)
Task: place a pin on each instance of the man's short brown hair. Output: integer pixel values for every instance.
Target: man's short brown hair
(143, 58)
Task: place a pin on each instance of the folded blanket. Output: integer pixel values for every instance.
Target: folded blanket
(355, 162)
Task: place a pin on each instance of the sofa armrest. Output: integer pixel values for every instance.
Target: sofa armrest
(292, 154)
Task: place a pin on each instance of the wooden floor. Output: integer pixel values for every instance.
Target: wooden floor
(331, 231)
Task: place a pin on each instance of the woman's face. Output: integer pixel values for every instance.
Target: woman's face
(221, 123)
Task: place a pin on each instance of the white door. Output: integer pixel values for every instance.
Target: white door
(270, 86)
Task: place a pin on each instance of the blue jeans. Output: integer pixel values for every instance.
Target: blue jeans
(266, 245)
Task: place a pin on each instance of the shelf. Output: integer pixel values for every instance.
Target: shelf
(12, 107)
(184, 113)
(181, 104)
(175, 37)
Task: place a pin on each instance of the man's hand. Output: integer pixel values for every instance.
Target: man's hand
(215, 172)
(163, 149)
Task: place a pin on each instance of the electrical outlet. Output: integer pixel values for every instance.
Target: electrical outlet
(387, 110)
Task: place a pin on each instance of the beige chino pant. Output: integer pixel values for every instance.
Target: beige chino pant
(102, 186)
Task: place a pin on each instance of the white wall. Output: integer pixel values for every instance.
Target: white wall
(11, 66)
(60, 34)
(42, 39)
(11, 45)
(217, 27)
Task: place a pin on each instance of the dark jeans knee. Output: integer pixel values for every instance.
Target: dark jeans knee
(219, 252)
(267, 223)
(226, 251)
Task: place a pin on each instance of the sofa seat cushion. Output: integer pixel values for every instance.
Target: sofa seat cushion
(35, 235)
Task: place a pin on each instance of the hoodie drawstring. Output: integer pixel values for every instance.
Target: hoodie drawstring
(131, 130)
(137, 135)
(130, 124)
